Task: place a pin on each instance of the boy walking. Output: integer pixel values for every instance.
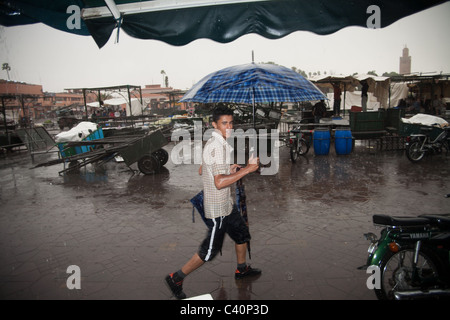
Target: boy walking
(222, 215)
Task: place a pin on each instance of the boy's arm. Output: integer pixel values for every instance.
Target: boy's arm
(225, 180)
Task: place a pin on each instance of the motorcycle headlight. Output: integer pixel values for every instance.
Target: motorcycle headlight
(372, 247)
(373, 242)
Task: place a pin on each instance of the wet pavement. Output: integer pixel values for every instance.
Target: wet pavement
(126, 232)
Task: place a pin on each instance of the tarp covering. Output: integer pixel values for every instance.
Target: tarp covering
(398, 91)
(354, 99)
(111, 102)
(50, 12)
(427, 120)
(77, 133)
(136, 106)
(223, 23)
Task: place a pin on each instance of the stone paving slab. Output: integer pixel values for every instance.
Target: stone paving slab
(127, 232)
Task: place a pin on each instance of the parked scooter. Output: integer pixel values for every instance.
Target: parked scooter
(418, 145)
(411, 258)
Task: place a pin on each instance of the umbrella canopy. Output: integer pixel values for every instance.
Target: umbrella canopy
(253, 83)
(180, 22)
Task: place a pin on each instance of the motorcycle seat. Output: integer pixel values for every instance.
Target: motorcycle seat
(441, 220)
(383, 219)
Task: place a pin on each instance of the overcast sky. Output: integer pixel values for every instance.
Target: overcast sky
(57, 60)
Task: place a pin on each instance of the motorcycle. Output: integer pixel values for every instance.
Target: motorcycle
(299, 142)
(411, 259)
(418, 145)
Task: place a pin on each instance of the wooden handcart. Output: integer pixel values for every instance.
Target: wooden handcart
(145, 150)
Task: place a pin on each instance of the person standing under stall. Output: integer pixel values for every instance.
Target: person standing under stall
(443, 106)
(337, 98)
(439, 106)
(94, 117)
(222, 216)
(417, 105)
(319, 110)
(364, 95)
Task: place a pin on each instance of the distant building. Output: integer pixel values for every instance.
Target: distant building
(157, 97)
(405, 62)
(30, 100)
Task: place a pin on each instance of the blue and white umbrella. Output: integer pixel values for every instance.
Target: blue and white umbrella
(253, 83)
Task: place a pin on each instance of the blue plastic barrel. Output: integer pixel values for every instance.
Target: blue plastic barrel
(321, 141)
(343, 141)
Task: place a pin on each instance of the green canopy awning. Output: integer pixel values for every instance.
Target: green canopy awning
(180, 22)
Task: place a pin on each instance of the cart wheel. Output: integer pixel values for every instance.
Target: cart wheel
(162, 155)
(149, 164)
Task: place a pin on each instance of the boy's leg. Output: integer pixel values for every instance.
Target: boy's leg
(210, 246)
(194, 263)
(241, 253)
(237, 229)
(175, 280)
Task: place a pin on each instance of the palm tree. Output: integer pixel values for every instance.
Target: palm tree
(6, 67)
(163, 74)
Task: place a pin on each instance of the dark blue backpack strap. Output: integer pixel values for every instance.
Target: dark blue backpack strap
(197, 202)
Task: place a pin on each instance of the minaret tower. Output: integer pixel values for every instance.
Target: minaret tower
(405, 62)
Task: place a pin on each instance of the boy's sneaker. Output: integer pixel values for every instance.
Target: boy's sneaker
(176, 287)
(247, 272)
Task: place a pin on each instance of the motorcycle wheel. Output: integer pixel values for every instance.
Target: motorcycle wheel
(299, 147)
(413, 152)
(397, 272)
(293, 151)
(303, 147)
(446, 147)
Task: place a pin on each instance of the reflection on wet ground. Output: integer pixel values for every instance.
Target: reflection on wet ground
(127, 231)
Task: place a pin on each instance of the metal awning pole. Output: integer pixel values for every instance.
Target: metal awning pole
(389, 95)
(254, 108)
(85, 105)
(129, 103)
(142, 105)
(345, 95)
(99, 99)
(4, 121)
(23, 110)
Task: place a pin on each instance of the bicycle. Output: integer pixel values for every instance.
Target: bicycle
(299, 142)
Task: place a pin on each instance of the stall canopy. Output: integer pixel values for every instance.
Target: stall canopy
(135, 109)
(348, 83)
(378, 87)
(180, 22)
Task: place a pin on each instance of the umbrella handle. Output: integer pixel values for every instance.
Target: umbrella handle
(240, 184)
